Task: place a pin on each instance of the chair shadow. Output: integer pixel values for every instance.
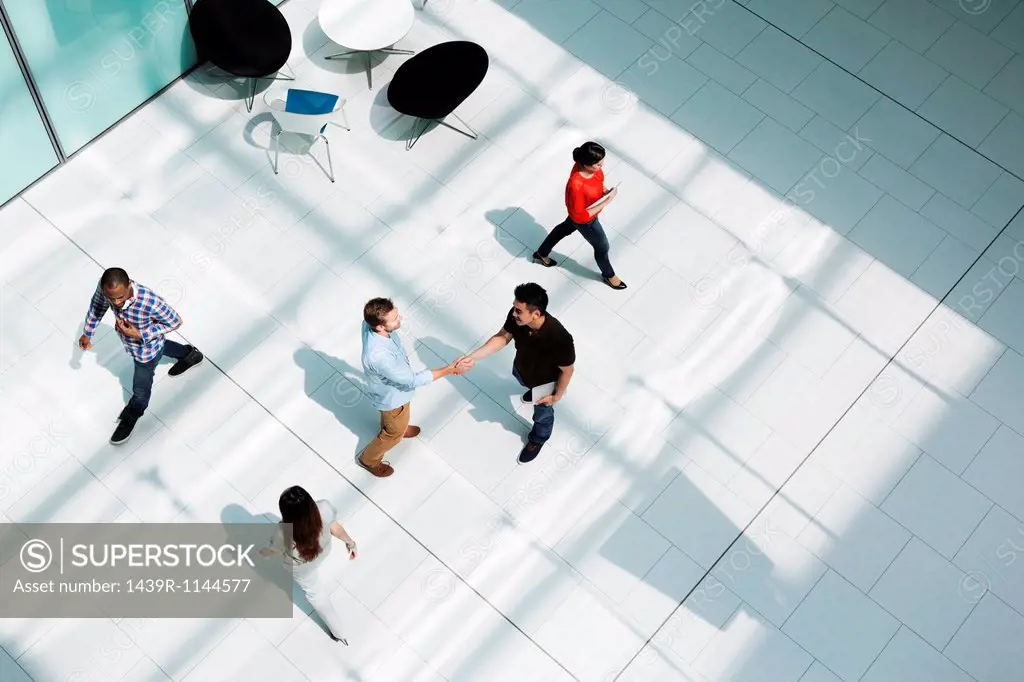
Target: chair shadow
(534, 233)
(346, 400)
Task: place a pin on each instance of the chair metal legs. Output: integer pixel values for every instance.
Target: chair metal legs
(472, 134)
(250, 98)
(327, 143)
(330, 163)
(411, 142)
(369, 63)
(276, 151)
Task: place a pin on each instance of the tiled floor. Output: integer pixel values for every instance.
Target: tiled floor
(791, 450)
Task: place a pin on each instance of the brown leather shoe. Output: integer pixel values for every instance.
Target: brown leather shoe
(412, 432)
(382, 470)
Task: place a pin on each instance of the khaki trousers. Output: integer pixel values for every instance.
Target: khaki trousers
(393, 424)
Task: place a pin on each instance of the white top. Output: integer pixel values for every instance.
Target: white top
(366, 24)
(305, 571)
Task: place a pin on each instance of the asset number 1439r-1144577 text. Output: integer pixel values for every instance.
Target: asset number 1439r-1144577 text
(188, 586)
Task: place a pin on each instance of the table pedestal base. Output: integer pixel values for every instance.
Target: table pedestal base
(385, 50)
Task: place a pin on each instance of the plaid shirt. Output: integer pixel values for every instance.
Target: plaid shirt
(146, 311)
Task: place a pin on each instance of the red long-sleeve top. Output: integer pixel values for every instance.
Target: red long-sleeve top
(581, 192)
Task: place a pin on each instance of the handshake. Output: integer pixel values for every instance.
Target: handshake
(461, 365)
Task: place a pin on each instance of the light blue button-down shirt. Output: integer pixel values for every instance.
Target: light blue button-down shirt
(389, 377)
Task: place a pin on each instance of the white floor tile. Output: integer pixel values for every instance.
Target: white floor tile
(762, 556)
(937, 506)
(962, 111)
(993, 468)
(661, 80)
(896, 236)
(778, 59)
(984, 645)
(989, 559)
(924, 591)
(795, 17)
(775, 155)
(903, 74)
(1003, 145)
(907, 654)
(915, 23)
(694, 494)
(896, 133)
(774, 654)
(985, 57)
(1000, 203)
(732, 121)
(608, 44)
(721, 69)
(897, 182)
(845, 39)
(854, 538)
(841, 627)
(996, 393)
(947, 426)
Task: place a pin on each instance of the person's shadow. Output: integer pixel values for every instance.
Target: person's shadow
(108, 357)
(482, 378)
(514, 226)
(345, 399)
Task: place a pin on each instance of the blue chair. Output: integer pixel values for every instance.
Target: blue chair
(305, 112)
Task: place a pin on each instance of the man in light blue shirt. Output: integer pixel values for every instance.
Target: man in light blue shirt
(390, 382)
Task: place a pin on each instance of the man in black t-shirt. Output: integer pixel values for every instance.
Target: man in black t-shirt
(544, 353)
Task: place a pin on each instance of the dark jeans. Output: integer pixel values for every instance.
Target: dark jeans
(592, 232)
(142, 383)
(543, 417)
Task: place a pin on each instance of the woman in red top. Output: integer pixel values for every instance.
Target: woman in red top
(585, 197)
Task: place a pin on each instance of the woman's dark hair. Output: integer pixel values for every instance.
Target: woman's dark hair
(532, 296)
(299, 509)
(588, 153)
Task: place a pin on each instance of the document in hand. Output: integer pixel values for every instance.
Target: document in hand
(591, 207)
(542, 391)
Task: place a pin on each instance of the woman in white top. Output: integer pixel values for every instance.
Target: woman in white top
(313, 524)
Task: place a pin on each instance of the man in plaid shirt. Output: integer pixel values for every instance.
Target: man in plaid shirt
(142, 319)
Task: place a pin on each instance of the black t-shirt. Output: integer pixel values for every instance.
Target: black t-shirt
(539, 353)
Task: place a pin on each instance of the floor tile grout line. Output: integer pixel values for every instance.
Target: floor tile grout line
(939, 304)
(883, 94)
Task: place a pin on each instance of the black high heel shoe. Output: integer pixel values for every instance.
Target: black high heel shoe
(546, 262)
(622, 285)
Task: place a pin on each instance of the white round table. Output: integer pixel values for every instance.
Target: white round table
(366, 26)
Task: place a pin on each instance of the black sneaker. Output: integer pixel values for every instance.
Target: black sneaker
(529, 453)
(124, 428)
(193, 358)
(528, 396)
(124, 413)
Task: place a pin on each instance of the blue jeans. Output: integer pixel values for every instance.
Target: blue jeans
(592, 232)
(543, 417)
(142, 382)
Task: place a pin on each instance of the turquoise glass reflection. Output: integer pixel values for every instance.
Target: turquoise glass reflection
(25, 148)
(96, 60)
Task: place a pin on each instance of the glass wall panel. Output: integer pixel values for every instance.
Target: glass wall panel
(96, 60)
(25, 149)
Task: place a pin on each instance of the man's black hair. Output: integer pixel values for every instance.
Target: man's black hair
(113, 277)
(533, 296)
